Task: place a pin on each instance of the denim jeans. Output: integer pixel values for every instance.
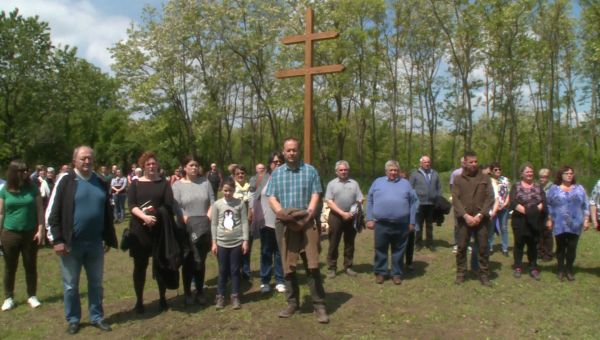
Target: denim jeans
(229, 266)
(119, 208)
(502, 219)
(90, 255)
(246, 257)
(270, 257)
(394, 236)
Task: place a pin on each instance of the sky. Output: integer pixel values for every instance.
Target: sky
(92, 26)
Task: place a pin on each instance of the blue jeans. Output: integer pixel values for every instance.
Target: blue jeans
(90, 255)
(229, 266)
(246, 258)
(502, 219)
(394, 236)
(474, 252)
(270, 258)
(119, 208)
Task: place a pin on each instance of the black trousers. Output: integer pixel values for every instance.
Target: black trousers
(410, 248)
(196, 270)
(520, 242)
(425, 222)
(566, 251)
(338, 228)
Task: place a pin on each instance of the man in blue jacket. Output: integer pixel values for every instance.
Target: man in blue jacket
(80, 226)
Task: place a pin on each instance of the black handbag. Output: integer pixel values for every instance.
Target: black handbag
(125, 240)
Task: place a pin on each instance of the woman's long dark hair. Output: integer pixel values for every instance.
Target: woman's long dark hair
(14, 179)
(558, 178)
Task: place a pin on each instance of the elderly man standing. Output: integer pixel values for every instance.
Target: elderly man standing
(79, 220)
(391, 210)
(293, 192)
(342, 196)
(472, 199)
(426, 183)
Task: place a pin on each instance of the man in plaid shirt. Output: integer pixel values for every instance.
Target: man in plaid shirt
(294, 192)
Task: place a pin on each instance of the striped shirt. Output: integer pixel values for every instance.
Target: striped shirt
(294, 187)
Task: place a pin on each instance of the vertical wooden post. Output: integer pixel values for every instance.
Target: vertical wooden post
(308, 71)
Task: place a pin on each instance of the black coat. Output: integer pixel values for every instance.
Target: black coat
(441, 207)
(61, 207)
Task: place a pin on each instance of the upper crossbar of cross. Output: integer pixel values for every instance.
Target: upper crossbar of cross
(308, 38)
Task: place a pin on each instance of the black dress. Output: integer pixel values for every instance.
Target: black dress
(157, 194)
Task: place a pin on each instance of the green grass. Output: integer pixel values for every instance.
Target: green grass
(426, 306)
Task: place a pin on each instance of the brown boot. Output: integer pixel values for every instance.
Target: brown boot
(288, 311)
(235, 301)
(220, 302)
(321, 314)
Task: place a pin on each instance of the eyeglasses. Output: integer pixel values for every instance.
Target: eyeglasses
(497, 169)
(276, 161)
(23, 170)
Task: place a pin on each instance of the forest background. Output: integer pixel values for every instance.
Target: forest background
(513, 80)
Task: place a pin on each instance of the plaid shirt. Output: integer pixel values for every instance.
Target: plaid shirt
(293, 188)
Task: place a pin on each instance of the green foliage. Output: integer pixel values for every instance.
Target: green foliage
(51, 100)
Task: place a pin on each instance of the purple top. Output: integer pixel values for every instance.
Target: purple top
(454, 174)
(567, 209)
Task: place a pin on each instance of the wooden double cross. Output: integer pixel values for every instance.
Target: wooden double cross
(308, 71)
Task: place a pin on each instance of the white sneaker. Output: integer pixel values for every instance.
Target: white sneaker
(280, 287)
(454, 249)
(34, 302)
(8, 304)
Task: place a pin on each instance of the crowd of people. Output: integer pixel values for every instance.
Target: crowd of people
(175, 221)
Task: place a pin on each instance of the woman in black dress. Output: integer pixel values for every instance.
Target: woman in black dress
(147, 196)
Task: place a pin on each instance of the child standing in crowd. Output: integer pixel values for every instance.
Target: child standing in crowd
(229, 229)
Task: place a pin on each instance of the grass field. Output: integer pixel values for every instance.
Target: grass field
(426, 306)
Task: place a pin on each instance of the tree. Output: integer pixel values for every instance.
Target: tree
(25, 52)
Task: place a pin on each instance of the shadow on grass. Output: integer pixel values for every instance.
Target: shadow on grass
(593, 271)
(364, 268)
(551, 267)
(442, 244)
(152, 310)
(333, 301)
(59, 297)
(419, 269)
